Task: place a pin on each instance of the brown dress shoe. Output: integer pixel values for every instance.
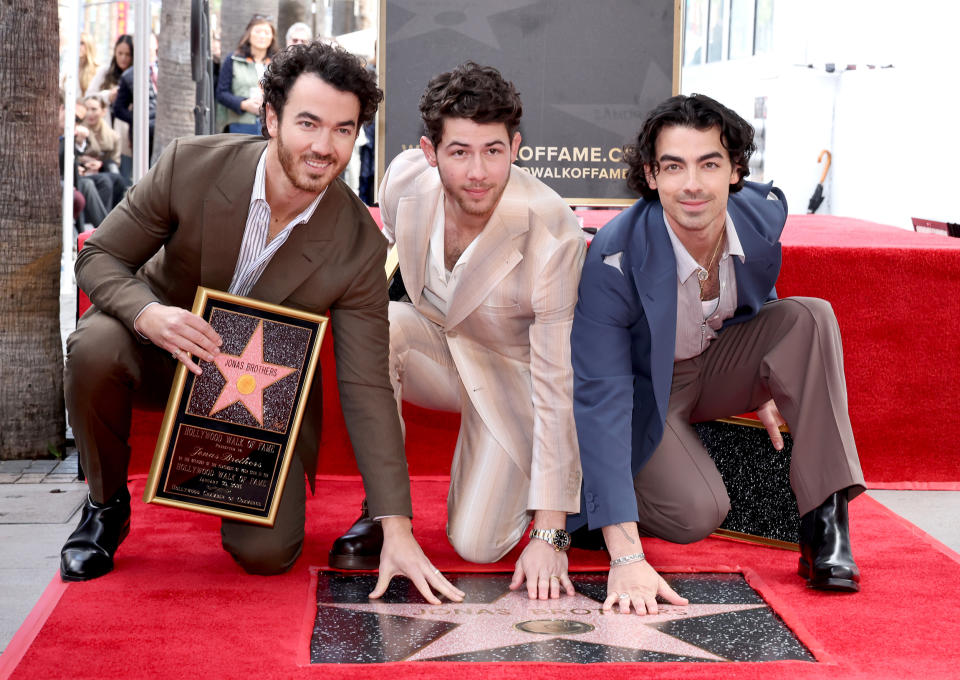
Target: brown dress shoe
(359, 548)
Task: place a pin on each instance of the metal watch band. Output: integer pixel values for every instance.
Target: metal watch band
(558, 538)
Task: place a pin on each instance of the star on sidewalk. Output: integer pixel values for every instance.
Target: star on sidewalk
(247, 376)
(486, 626)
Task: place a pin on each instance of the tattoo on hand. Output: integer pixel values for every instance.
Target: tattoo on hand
(625, 534)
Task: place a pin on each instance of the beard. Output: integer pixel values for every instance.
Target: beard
(302, 178)
(471, 206)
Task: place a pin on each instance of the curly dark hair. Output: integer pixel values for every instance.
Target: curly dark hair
(337, 67)
(695, 111)
(471, 91)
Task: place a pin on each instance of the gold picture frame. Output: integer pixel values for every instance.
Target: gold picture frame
(228, 435)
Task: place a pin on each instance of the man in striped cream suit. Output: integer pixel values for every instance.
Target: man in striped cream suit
(491, 259)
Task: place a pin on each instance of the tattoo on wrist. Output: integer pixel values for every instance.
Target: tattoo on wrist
(625, 534)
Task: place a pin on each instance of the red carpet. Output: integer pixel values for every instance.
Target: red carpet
(895, 296)
(178, 607)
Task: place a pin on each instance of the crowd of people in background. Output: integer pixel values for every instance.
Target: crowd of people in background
(239, 95)
(103, 140)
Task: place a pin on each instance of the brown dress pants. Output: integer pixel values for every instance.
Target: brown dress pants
(790, 352)
(108, 372)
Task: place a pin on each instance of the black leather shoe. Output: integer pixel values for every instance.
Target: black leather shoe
(825, 558)
(88, 553)
(359, 548)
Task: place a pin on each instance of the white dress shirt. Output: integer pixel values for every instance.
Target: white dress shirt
(439, 284)
(699, 320)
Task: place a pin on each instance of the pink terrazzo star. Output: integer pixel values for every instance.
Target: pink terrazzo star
(486, 626)
(247, 376)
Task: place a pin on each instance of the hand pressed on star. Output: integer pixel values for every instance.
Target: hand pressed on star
(638, 584)
(544, 570)
(401, 555)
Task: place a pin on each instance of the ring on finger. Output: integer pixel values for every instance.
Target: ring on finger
(175, 355)
(436, 571)
(624, 596)
(554, 577)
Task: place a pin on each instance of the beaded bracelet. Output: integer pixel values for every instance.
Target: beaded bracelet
(628, 559)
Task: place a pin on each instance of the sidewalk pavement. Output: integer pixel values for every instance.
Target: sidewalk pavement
(40, 502)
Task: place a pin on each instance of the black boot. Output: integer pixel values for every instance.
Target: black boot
(825, 558)
(89, 551)
(359, 548)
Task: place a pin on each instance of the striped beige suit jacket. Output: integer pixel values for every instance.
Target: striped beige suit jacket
(508, 323)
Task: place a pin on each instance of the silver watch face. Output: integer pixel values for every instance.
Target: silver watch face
(561, 539)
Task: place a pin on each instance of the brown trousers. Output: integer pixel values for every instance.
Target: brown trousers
(108, 372)
(791, 352)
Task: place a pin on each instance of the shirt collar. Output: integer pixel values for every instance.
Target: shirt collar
(686, 265)
(259, 180)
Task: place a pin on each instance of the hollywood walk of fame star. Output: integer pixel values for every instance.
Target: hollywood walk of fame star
(467, 17)
(247, 376)
(480, 627)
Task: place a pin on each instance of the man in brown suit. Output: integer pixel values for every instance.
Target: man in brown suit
(268, 220)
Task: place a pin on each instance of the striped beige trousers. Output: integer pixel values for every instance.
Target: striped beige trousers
(486, 504)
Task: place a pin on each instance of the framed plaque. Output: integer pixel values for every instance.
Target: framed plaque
(228, 434)
(763, 508)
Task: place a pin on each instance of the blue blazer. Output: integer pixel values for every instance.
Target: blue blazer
(624, 332)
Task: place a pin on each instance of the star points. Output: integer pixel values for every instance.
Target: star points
(247, 375)
(480, 627)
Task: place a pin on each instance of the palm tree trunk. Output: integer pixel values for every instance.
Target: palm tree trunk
(176, 91)
(31, 359)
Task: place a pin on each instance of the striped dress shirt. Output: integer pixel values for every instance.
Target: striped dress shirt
(255, 252)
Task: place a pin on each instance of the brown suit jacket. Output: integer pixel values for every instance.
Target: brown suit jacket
(508, 323)
(181, 227)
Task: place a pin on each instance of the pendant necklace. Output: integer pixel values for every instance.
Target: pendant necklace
(704, 274)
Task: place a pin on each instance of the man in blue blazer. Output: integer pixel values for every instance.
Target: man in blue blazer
(678, 322)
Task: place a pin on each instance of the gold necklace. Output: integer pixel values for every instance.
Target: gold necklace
(704, 274)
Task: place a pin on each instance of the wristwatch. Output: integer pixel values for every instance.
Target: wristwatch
(558, 538)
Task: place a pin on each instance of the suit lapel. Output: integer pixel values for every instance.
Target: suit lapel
(656, 279)
(414, 222)
(757, 275)
(494, 256)
(225, 210)
(303, 250)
